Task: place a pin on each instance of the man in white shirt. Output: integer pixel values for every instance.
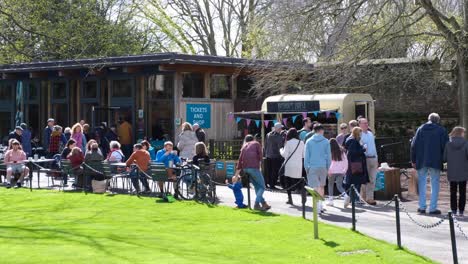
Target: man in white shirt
(368, 141)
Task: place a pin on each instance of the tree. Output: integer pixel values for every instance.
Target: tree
(343, 34)
(49, 30)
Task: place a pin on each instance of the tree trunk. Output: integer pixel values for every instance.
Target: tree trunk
(462, 83)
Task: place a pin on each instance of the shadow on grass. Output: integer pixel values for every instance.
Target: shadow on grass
(331, 244)
(262, 213)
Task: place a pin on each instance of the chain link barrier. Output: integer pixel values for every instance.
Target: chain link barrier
(375, 206)
(457, 223)
(423, 225)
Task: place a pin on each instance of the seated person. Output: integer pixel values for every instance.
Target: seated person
(115, 155)
(169, 157)
(201, 154)
(142, 159)
(147, 146)
(93, 156)
(14, 160)
(76, 159)
(68, 148)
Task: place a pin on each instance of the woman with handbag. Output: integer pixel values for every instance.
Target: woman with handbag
(291, 170)
(357, 169)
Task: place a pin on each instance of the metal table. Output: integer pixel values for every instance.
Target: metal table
(31, 163)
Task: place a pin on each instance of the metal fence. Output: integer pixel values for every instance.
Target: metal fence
(225, 149)
(395, 151)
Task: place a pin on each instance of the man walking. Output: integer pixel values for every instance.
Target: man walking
(273, 143)
(368, 140)
(317, 160)
(427, 151)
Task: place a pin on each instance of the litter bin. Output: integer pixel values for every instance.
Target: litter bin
(388, 184)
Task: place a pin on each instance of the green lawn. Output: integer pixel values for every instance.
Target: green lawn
(57, 227)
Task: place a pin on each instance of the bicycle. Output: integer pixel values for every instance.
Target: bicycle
(194, 183)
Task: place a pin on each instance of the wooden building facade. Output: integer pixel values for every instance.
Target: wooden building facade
(155, 93)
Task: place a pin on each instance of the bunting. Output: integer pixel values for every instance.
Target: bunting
(257, 123)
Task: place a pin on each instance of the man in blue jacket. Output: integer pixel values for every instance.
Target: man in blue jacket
(427, 151)
(317, 160)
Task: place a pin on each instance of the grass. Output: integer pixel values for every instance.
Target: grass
(57, 227)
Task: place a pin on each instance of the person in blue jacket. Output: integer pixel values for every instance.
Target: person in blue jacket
(427, 150)
(167, 155)
(236, 187)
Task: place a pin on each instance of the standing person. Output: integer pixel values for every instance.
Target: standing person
(317, 160)
(142, 159)
(78, 136)
(250, 160)
(187, 141)
(26, 139)
(125, 137)
(357, 169)
(201, 135)
(343, 132)
(306, 128)
(372, 162)
(456, 156)
(111, 134)
(236, 188)
(16, 134)
(293, 153)
(312, 131)
(352, 125)
(427, 151)
(273, 143)
(56, 141)
(101, 138)
(14, 160)
(67, 133)
(47, 131)
(337, 170)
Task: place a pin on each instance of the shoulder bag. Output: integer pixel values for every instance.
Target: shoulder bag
(282, 169)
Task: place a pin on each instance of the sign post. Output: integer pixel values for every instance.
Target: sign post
(315, 198)
(200, 114)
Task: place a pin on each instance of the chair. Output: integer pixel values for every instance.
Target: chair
(159, 174)
(55, 172)
(68, 170)
(92, 169)
(113, 176)
(15, 177)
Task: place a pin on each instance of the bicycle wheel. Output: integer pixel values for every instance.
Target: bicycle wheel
(185, 187)
(206, 189)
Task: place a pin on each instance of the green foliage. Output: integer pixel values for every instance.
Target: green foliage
(57, 227)
(48, 30)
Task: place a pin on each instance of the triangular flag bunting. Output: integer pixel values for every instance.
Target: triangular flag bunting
(315, 113)
(266, 122)
(304, 115)
(294, 118)
(257, 123)
(230, 118)
(338, 115)
(285, 121)
(238, 119)
(248, 122)
(327, 113)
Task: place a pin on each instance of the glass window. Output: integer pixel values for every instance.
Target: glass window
(59, 90)
(161, 86)
(60, 114)
(32, 113)
(33, 91)
(220, 86)
(90, 89)
(161, 119)
(87, 112)
(122, 88)
(244, 86)
(5, 126)
(6, 91)
(193, 85)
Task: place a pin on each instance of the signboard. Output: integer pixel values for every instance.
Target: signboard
(230, 169)
(199, 113)
(293, 106)
(220, 165)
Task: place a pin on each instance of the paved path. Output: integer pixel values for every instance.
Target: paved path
(372, 221)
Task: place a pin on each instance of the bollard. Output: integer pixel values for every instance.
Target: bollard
(452, 237)
(397, 216)
(304, 199)
(353, 207)
(248, 191)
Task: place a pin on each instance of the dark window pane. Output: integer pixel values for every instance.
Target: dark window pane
(6, 91)
(33, 91)
(90, 89)
(220, 86)
(87, 112)
(161, 86)
(122, 88)
(161, 119)
(5, 126)
(244, 85)
(59, 90)
(33, 116)
(60, 114)
(193, 85)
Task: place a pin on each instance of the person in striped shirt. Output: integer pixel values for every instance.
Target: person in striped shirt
(14, 159)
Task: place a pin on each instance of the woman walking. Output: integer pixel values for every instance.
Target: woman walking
(456, 156)
(293, 153)
(357, 172)
(249, 161)
(187, 141)
(337, 170)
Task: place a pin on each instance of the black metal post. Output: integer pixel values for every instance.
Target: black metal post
(397, 216)
(452, 237)
(303, 198)
(248, 191)
(211, 147)
(30, 166)
(353, 207)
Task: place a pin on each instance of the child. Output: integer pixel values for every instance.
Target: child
(456, 156)
(236, 187)
(201, 154)
(337, 170)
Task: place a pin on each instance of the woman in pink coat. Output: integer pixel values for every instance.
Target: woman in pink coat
(337, 171)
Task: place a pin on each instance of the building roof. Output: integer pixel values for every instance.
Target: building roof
(147, 59)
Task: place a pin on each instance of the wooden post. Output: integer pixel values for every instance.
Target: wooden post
(316, 197)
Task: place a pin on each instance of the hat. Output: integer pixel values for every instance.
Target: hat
(50, 120)
(278, 125)
(23, 126)
(19, 128)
